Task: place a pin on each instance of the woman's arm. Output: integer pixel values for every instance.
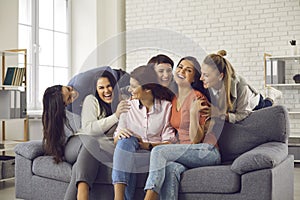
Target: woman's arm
(168, 132)
(243, 108)
(91, 123)
(198, 119)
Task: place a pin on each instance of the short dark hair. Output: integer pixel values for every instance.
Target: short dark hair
(147, 78)
(161, 58)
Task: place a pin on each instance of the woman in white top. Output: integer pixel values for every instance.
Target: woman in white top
(233, 98)
(101, 112)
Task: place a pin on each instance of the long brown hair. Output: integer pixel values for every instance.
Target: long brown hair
(53, 120)
(224, 66)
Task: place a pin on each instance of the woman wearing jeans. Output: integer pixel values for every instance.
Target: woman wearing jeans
(198, 145)
(145, 125)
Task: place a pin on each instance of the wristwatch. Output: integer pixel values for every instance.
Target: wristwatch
(150, 146)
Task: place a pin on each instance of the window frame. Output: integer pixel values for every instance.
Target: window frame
(34, 101)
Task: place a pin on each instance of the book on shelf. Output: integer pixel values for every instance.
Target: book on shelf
(14, 76)
(9, 77)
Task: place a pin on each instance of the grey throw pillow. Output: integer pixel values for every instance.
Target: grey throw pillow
(265, 125)
(267, 155)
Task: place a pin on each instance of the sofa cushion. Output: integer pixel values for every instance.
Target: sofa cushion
(210, 179)
(265, 125)
(44, 166)
(267, 155)
(30, 149)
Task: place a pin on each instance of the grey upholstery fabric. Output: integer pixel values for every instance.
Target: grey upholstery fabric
(60, 171)
(264, 125)
(261, 132)
(30, 150)
(267, 155)
(208, 180)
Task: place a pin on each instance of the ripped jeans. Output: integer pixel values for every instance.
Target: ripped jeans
(167, 162)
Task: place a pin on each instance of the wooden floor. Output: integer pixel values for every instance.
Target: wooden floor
(7, 189)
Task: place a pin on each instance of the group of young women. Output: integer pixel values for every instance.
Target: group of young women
(166, 128)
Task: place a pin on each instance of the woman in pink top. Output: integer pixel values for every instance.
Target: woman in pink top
(145, 125)
(198, 145)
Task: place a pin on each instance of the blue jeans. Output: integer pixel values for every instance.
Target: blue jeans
(263, 103)
(128, 161)
(167, 162)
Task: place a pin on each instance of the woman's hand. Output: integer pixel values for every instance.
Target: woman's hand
(124, 133)
(144, 145)
(123, 107)
(200, 105)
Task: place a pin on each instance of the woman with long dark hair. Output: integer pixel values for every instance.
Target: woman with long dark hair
(60, 141)
(101, 111)
(145, 125)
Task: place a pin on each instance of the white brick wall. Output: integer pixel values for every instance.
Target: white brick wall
(245, 29)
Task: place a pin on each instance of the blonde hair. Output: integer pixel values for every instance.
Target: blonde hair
(224, 66)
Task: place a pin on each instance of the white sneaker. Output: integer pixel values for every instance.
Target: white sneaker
(273, 93)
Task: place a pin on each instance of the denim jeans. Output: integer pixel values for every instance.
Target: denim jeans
(129, 160)
(167, 162)
(263, 103)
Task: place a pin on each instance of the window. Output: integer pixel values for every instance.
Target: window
(44, 32)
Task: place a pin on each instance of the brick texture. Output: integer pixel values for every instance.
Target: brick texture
(245, 29)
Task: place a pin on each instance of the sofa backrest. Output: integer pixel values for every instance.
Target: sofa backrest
(84, 84)
(265, 125)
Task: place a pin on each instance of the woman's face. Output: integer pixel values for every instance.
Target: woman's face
(164, 73)
(211, 77)
(136, 89)
(105, 90)
(69, 94)
(184, 73)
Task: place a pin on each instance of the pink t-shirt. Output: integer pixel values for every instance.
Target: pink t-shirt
(153, 126)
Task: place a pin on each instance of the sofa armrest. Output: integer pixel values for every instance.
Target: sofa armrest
(267, 155)
(30, 149)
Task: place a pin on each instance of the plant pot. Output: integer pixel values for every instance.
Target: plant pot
(297, 78)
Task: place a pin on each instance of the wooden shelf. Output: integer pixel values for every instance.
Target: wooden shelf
(288, 57)
(13, 52)
(12, 87)
(285, 85)
(294, 113)
(9, 145)
(7, 179)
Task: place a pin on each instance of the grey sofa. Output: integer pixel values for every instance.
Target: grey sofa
(255, 166)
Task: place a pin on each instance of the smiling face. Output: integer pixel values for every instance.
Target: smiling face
(69, 94)
(135, 89)
(164, 73)
(105, 90)
(211, 77)
(184, 73)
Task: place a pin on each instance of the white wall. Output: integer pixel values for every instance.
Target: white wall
(8, 24)
(246, 29)
(93, 23)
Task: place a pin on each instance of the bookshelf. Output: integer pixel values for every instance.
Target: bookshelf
(13, 105)
(278, 73)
